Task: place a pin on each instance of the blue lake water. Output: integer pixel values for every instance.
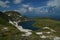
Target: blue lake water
(28, 25)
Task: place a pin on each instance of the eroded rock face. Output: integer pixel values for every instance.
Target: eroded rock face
(14, 16)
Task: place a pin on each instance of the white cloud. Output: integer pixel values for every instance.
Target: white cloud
(17, 1)
(42, 9)
(25, 5)
(4, 4)
(21, 10)
(53, 3)
(33, 9)
(7, 2)
(30, 9)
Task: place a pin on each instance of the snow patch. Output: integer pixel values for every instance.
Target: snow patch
(49, 29)
(27, 31)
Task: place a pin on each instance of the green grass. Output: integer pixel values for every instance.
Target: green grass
(46, 22)
(53, 24)
(11, 34)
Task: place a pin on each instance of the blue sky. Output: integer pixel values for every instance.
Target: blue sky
(32, 8)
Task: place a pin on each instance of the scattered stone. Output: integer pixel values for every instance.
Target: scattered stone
(49, 29)
(5, 28)
(52, 30)
(9, 15)
(48, 32)
(56, 38)
(43, 36)
(39, 33)
(27, 34)
(20, 16)
(46, 28)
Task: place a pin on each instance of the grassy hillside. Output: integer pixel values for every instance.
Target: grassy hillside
(8, 31)
(53, 24)
(47, 22)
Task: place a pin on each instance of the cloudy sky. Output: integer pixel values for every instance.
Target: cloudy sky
(32, 8)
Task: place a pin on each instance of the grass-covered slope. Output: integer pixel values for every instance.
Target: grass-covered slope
(8, 31)
(47, 22)
(53, 24)
(3, 19)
